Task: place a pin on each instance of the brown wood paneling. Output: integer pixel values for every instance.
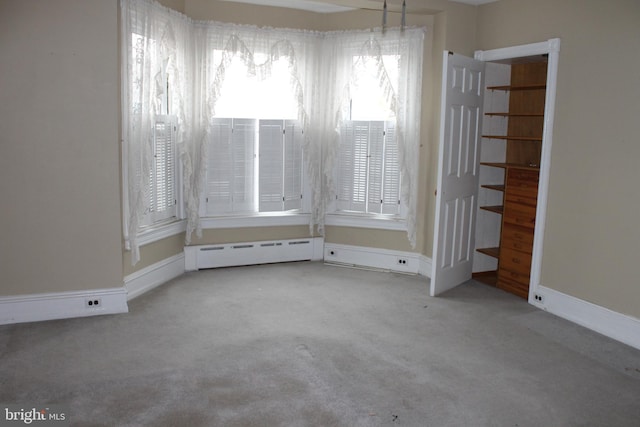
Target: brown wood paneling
(516, 261)
(519, 214)
(518, 238)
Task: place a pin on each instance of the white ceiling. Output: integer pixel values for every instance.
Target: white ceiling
(325, 7)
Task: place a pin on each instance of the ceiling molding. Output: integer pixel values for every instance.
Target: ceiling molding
(474, 2)
(309, 5)
(333, 6)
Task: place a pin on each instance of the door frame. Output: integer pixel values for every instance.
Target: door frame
(551, 48)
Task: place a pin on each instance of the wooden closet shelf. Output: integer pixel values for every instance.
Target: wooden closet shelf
(513, 115)
(492, 252)
(518, 87)
(493, 187)
(510, 165)
(487, 277)
(514, 138)
(499, 209)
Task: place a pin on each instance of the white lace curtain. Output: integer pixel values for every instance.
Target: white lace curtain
(188, 53)
(403, 97)
(156, 54)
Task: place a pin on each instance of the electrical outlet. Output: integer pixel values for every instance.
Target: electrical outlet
(538, 298)
(93, 303)
(403, 261)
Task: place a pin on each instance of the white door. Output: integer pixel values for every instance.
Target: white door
(457, 191)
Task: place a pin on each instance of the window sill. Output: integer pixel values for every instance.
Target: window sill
(270, 219)
(161, 231)
(366, 221)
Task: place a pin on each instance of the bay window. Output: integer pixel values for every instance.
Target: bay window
(265, 122)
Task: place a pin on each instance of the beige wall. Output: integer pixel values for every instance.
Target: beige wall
(371, 238)
(251, 234)
(60, 144)
(59, 149)
(592, 233)
(153, 253)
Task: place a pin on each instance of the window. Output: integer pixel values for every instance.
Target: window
(162, 197)
(368, 170)
(254, 166)
(154, 123)
(255, 146)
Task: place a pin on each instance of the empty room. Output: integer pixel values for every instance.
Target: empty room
(319, 213)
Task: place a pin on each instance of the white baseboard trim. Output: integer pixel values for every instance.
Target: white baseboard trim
(318, 249)
(62, 305)
(617, 326)
(375, 258)
(425, 266)
(150, 277)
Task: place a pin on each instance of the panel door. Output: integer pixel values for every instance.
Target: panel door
(458, 170)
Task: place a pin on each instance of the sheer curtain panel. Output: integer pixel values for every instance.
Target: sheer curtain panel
(155, 79)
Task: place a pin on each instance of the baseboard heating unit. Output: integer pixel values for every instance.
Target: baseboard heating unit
(249, 253)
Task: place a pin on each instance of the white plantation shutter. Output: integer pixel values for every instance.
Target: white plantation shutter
(161, 192)
(280, 166)
(360, 165)
(243, 140)
(368, 168)
(345, 167)
(352, 166)
(391, 172)
(271, 157)
(375, 168)
(230, 175)
(219, 168)
(293, 139)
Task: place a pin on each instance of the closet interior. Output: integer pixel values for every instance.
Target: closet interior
(510, 153)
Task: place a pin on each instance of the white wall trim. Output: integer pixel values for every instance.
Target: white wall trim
(617, 326)
(425, 267)
(375, 258)
(271, 219)
(540, 48)
(159, 232)
(318, 249)
(150, 277)
(62, 305)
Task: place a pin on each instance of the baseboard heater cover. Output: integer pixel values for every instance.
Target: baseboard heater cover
(250, 253)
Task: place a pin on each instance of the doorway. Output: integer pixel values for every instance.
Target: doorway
(512, 159)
